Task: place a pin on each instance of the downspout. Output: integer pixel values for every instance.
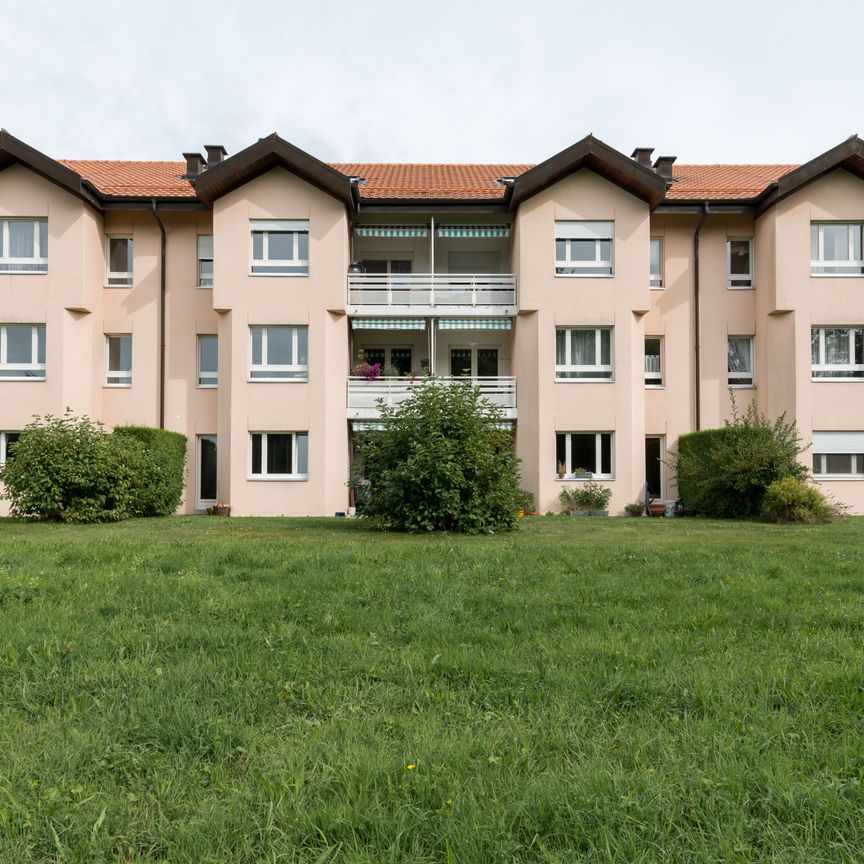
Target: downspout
(161, 314)
(697, 316)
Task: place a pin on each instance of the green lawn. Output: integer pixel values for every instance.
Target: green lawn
(627, 690)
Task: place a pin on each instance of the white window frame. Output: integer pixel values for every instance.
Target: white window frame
(595, 471)
(735, 380)
(295, 266)
(4, 444)
(204, 280)
(124, 374)
(598, 366)
(739, 281)
(37, 333)
(208, 379)
(296, 372)
(848, 444)
(828, 368)
(835, 267)
(19, 266)
(116, 278)
(655, 279)
(654, 376)
(295, 436)
(599, 231)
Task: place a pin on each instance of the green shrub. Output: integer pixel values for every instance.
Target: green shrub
(440, 464)
(724, 472)
(67, 468)
(589, 496)
(525, 501)
(793, 500)
(157, 488)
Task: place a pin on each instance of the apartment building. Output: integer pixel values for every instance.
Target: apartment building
(607, 304)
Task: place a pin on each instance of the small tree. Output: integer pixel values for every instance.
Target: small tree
(724, 472)
(441, 463)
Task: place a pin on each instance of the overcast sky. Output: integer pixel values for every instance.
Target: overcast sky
(445, 81)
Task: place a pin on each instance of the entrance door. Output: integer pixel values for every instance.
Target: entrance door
(477, 362)
(206, 484)
(654, 466)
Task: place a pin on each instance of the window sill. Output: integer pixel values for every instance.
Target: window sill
(571, 479)
(207, 387)
(657, 287)
(5, 380)
(740, 287)
(837, 275)
(117, 286)
(655, 386)
(584, 380)
(837, 380)
(23, 272)
(277, 478)
(584, 275)
(116, 386)
(741, 386)
(204, 287)
(834, 477)
(277, 380)
(280, 275)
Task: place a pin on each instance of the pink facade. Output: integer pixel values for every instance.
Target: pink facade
(606, 304)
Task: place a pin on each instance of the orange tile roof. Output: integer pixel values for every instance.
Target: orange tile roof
(425, 181)
(723, 181)
(116, 178)
(429, 181)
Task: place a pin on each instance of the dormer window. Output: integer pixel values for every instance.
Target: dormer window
(280, 247)
(23, 245)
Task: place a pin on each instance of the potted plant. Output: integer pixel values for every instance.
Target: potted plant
(636, 509)
(219, 509)
(575, 502)
(582, 474)
(597, 498)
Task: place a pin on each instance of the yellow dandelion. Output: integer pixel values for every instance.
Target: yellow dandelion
(410, 766)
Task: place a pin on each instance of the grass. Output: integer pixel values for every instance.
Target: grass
(208, 690)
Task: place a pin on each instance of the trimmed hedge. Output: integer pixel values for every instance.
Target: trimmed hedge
(158, 486)
(723, 473)
(67, 468)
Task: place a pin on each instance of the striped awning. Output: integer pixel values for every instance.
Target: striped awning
(392, 230)
(368, 426)
(475, 324)
(473, 230)
(389, 323)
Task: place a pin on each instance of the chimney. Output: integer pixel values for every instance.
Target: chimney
(663, 167)
(195, 164)
(643, 156)
(215, 154)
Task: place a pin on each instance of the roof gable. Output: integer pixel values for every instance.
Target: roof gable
(848, 155)
(13, 151)
(603, 160)
(265, 154)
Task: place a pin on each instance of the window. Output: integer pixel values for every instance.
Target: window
(22, 351)
(739, 263)
(583, 353)
(838, 455)
(23, 245)
(656, 270)
(119, 262)
(740, 361)
(280, 248)
(118, 360)
(280, 353)
(208, 361)
(835, 249)
(653, 361)
(205, 261)
(584, 452)
(279, 455)
(583, 248)
(389, 358)
(837, 352)
(383, 266)
(7, 439)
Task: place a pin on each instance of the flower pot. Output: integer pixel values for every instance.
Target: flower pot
(580, 512)
(219, 510)
(599, 512)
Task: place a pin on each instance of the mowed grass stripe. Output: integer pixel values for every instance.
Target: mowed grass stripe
(197, 690)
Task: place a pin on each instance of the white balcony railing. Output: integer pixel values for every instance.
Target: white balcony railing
(365, 397)
(432, 289)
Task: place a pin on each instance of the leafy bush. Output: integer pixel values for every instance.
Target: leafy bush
(440, 464)
(525, 501)
(590, 496)
(67, 468)
(157, 487)
(724, 472)
(792, 500)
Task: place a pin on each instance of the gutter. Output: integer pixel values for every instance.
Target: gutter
(154, 207)
(697, 317)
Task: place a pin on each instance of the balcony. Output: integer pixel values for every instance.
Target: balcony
(365, 397)
(432, 293)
